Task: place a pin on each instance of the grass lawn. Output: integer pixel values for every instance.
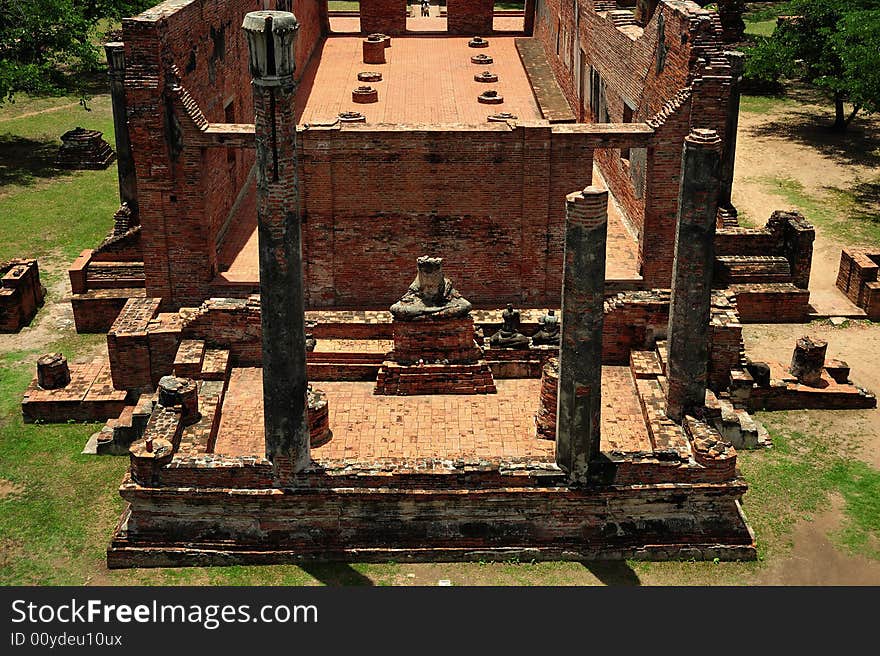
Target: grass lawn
(58, 508)
(760, 17)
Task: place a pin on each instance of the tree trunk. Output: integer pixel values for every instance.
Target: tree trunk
(840, 121)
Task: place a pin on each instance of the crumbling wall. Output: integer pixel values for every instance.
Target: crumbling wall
(21, 293)
(383, 16)
(470, 17)
(857, 278)
(613, 70)
(187, 66)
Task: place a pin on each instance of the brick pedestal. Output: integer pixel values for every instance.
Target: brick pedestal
(435, 357)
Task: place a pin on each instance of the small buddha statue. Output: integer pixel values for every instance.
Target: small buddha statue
(548, 333)
(509, 335)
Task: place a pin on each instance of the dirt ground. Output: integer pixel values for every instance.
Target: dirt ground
(790, 141)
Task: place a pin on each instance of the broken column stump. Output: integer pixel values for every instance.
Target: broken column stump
(53, 371)
(808, 360)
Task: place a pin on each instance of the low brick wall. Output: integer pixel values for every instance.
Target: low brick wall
(441, 520)
(771, 303)
(857, 278)
(21, 294)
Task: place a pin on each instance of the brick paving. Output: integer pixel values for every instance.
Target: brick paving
(367, 427)
(426, 80)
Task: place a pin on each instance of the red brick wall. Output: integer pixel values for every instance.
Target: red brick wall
(383, 16)
(488, 200)
(202, 45)
(626, 59)
(469, 17)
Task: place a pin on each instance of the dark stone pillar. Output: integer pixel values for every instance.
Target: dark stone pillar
(124, 160)
(529, 20)
(271, 38)
(728, 158)
(692, 273)
(580, 358)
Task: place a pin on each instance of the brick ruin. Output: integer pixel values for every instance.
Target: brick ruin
(278, 402)
(21, 293)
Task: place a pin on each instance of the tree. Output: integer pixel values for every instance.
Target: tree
(48, 45)
(832, 44)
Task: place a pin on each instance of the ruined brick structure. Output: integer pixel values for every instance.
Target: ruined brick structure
(458, 186)
(21, 293)
(256, 209)
(857, 278)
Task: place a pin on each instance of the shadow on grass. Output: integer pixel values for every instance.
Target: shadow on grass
(859, 145)
(24, 160)
(612, 572)
(336, 574)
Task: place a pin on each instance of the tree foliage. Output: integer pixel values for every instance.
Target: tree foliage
(832, 44)
(49, 45)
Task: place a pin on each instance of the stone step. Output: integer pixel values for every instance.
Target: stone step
(732, 269)
(215, 364)
(189, 358)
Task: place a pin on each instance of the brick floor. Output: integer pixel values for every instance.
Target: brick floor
(426, 80)
(367, 427)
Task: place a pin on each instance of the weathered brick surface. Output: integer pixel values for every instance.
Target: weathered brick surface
(515, 213)
(382, 16)
(772, 303)
(469, 17)
(21, 293)
(188, 67)
(625, 56)
(857, 278)
(89, 396)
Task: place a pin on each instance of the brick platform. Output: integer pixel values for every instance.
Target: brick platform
(89, 396)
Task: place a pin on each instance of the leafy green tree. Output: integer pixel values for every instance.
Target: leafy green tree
(832, 44)
(49, 45)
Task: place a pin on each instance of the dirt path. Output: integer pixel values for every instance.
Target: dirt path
(48, 110)
(815, 560)
(791, 142)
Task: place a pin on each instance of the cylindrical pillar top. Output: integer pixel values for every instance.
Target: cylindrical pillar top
(115, 57)
(271, 39)
(589, 206)
(704, 138)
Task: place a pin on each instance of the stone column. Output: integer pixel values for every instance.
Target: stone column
(530, 9)
(124, 160)
(271, 38)
(692, 273)
(737, 60)
(580, 358)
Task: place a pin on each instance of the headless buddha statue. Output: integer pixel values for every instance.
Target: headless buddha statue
(431, 296)
(548, 333)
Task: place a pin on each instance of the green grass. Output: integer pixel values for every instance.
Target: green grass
(764, 104)
(46, 211)
(760, 17)
(850, 214)
(795, 479)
